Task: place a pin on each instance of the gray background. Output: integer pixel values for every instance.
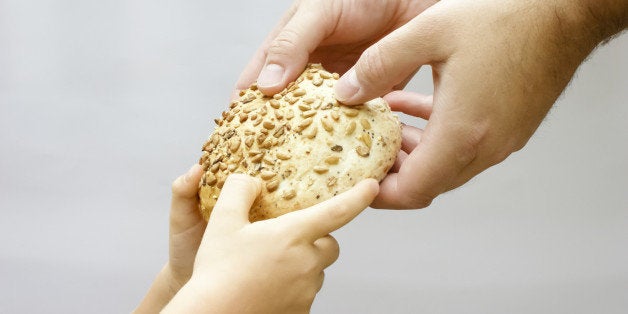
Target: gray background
(104, 103)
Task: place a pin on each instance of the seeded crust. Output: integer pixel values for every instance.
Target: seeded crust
(303, 144)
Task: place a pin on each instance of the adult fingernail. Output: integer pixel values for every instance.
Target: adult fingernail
(347, 86)
(271, 75)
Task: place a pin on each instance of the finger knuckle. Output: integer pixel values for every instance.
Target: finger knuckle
(517, 145)
(177, 186)
(281, 235)
(339, 212)
(503, 151)
(469, 140)
(285, 44)
(490, 145)
(335, 250)
(244, 183)
(418, 200)
(372, 66)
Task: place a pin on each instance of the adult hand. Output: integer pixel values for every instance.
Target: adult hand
(270, 266)
(498, 67)
(333, 33)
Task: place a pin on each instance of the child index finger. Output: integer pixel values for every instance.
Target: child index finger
(321, 219)
(235, 201)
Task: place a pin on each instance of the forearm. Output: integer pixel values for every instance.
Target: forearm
(187, 301)
(605, 18)
(159, 293)
(197, 297)
(567, 31)
(589, 22)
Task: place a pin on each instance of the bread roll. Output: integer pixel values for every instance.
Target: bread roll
(304, 145)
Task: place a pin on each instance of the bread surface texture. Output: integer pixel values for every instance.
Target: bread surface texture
(302, 143)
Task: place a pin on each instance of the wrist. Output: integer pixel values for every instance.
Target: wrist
(159, 293)
(196, 296)
(174, 283)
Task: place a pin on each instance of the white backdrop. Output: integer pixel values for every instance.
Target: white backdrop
(104, 103)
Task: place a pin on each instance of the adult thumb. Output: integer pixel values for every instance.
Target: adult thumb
(390, 61)
(288, 53)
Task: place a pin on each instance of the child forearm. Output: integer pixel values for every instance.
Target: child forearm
(159, 294)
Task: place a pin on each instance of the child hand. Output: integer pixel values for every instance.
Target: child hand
(271, 266)
(186, 231)
(186, 227)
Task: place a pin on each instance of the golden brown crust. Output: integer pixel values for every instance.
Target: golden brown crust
(303, 144)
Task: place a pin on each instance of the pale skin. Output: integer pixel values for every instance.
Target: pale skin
(498, 67)
(233, 266)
